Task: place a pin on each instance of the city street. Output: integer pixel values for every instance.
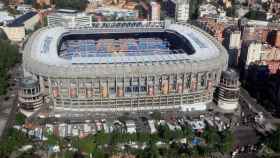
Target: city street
(245, 136)
(245, 98)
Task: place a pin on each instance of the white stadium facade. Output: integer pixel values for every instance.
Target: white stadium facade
(125, 67)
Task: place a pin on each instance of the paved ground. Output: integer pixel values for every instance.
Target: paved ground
(245, 136)
(251, 107)
(252, 103)
(247, 155)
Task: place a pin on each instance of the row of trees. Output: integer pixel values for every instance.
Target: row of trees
(215, 142)
(71, 4)
(64, 4)
(13, 141)
(218, 141)
(103, 144)
(173, 150)
(256, 15)
(91, 145)
(273, 141)
(194, 8)
(265, 87)
(9, 56)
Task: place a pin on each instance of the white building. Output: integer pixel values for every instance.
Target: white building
(95, 1)
(62, 130)
(235, 40)
(207, 9)
(253, 53)
(197, 124)
(232, 41)
(152, 126)
(69, 18)
(182, 10)
(4, 17)
(28, 21)
(15, 34)
(75, 130)
(98, 125)
(16, 29)
(108, 11)
(130, 126)
(2, 5)
(24, 8)
(155, 16)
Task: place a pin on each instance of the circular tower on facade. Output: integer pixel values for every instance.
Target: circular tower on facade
(29, 94)
(227, 93)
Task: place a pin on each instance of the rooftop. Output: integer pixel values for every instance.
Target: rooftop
(45, 52)
(49, 39)
(230, 74)
(28, 82)
(20, 20)
(4, 16)
(69, 11)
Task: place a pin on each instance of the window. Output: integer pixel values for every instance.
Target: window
(128, 89)
(203, 81)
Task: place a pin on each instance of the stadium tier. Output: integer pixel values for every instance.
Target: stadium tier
(125, 67)
(109, 47)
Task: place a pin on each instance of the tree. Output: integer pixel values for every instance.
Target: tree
(211, 137)
(52, 140)
(3, 35)
(78, 154)
(201, 150)
(12, 141)
(194, 8)
(188, 132)
(13, 11)
(164, 133)
(20, 119)
(142, 137)
(98, 153)
(156, 115)
(29, 1)
(142, 12)
(256, 15)
(36, 5)
(227, 141)
(71, 4)
(151, 151)
(274, 141)
(101, 138)
(9, 56)
(231, 12)
(3, 83)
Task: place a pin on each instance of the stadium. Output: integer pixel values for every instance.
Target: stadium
(125, 67)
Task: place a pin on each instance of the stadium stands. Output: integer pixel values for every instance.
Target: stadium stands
(111, 47)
